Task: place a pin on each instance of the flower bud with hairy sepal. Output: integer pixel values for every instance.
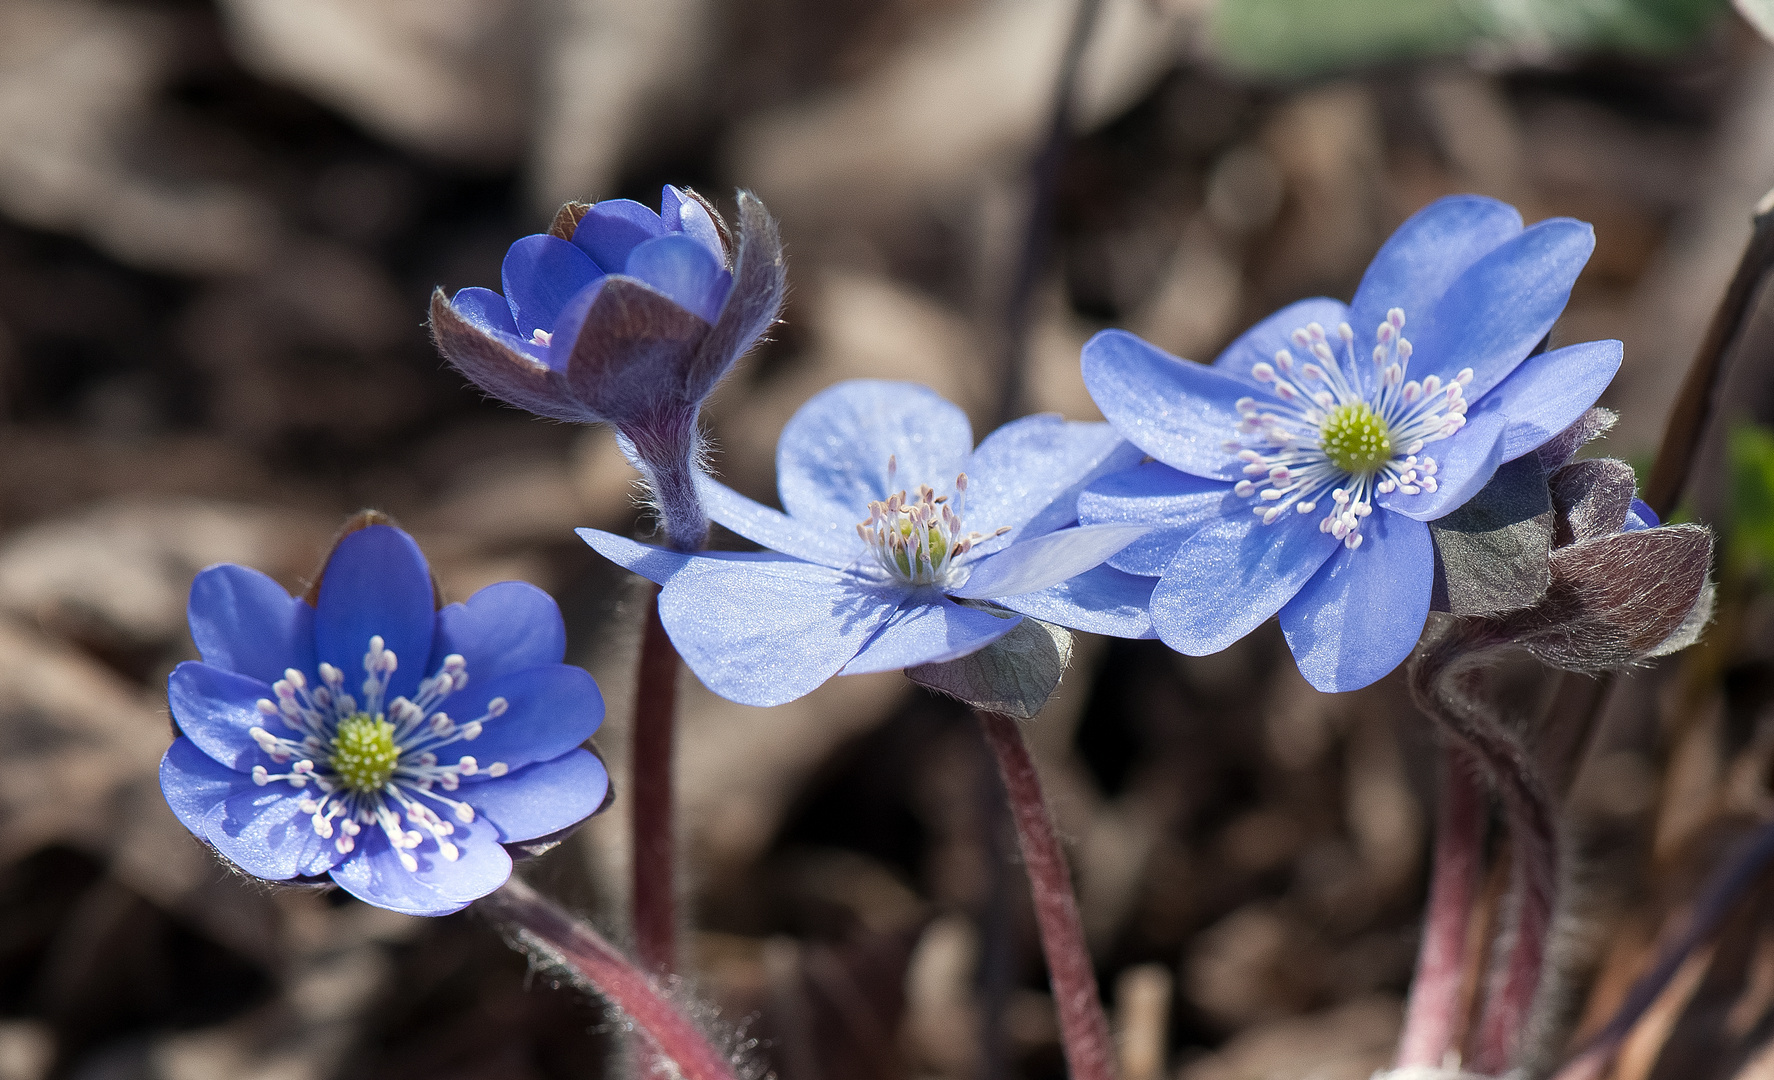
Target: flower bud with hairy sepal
(623, 316)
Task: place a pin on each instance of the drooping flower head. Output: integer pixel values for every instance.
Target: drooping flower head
(892, 517)
(1298, 472)
(373, 738)
(625, 316)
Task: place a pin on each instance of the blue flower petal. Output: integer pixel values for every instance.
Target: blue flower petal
(510, 626)
(542, 798)
(1101, 601)
(541, 273)
(1180, 412)
(613, 228)
(830, 545)
(215, 709)
(1464, 462)
(1234, 573)
(263, 831)
(376, 582)
(682, 269)
(1547, 393)
(558, 353)
(1027, 475)
(194, 784)
(685, 215)
(1155, 494)
(1260, 343)
(1641, 516)
(486, 310)
(1500, 307)
(658, 564)
(551, 710)
(245, 622)
(1362, 613)
(831, 461)
(929, 630)
(480, 866)
(374, 875)
(1045, 561)
(766, 631)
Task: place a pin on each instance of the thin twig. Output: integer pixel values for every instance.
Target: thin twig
(654, 877)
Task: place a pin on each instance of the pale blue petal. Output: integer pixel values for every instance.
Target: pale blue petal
(480, 866)
(486, 310)
(550, 711)
(832, 544)
(682, 269)
(1153, 493)
(1101, 601)
(216, 709)
(1547, 393)
(194, 784)
(1180, 412)
(1045, 561)
(1026, 476)
(263, 831)
(541, 273)
(245, 622)
(1260, 343)
(656, 564)
(1464, 462)
(376, 583)
(1362, 613)
(1234, 573)
(373, 874)
(506, 627)
(613, 228)
(542, 798)
(1641, 516)
(688, 216)
(762, 632)
(832, 459)
(928, 630)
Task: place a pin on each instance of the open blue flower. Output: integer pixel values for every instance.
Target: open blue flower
(1297, 473)
(892, 515)
(624, 316)
(292, 767)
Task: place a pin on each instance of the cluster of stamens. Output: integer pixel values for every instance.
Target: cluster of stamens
(917, 540)
(1325, 436)
(368, 762)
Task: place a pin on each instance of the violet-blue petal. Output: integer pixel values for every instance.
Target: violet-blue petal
(1234, 573)
(550, 711)
(541, 273)
(829, 544)
(929, 629)
(1641, 516)
(1046, 560)
(1362, 613)
(1465, 462)
(1499, 308)
(194, 784)
(215, 709)
(480, 866)
(1103, 600)
(1026, 475)
(762, 632)
(688, 216)
(1152, 493)
(684, 270)
(613, 228)
(1180, 412)
(374, 875)
(486, 310)
(376, 583)
(658, 564)
(263, 831)
(1547, 393)
(505, 627)
(831, 460)
(542, 798)
(243, 621)
(1260, 343)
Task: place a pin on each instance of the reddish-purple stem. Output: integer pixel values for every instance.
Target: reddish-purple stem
(597, 966)
(654, 893)
(1084, 1030)
(1433, 1019)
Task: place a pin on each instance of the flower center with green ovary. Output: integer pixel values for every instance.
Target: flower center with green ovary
(364, 754)
(1355, 438)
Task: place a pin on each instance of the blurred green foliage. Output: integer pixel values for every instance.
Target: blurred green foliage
(1751, 535)
(1296, 38)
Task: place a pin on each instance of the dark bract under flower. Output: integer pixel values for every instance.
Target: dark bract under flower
(374, 739)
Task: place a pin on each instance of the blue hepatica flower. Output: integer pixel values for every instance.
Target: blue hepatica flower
(315, 740)
(1297, 473)
(893, 515)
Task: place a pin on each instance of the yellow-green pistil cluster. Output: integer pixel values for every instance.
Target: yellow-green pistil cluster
(364, 754)
(1356, 439)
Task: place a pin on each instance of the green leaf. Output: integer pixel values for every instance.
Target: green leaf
(1751, 453)
(1014, 675)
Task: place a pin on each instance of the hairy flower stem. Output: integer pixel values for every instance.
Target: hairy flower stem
(542, 928)
(654, 866)
(1084, 1030)
(1445, 684)
(1434, 1024)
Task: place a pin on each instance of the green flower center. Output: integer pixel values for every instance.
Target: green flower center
(1355, 439)
(364, 754)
